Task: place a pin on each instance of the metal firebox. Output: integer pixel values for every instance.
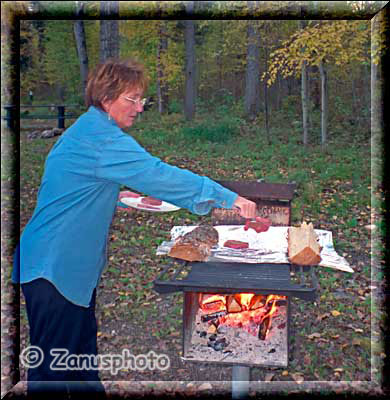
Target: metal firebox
(230, 278)
(234, 346)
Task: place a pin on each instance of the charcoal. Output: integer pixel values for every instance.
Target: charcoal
(222, 329)
(212, 337)
(220, 344)
(272, 351)
(209, 317)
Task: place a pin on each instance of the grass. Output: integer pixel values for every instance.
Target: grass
(333, 191)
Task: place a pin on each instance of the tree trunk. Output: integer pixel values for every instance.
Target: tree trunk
(81, 44)
(252, 79)
(324, 104)
(162, 93)
(304, 97)
(355, 104)
(109, 30)
(279, 90)
(220, 57)
(266, 106)
(189, 35)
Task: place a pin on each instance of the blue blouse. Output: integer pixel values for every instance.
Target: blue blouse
(65, 240)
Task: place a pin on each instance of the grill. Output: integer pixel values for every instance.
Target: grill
(229, 279)
(225, 277)
(195, 278)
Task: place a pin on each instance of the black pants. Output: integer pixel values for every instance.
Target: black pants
(56, 323)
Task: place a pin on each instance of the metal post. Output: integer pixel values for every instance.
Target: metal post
(240, 382)
(10, 116)
(61, 117)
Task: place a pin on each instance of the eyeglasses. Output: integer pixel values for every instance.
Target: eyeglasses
(140, 101)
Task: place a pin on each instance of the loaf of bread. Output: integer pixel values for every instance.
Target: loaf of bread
(195, 245)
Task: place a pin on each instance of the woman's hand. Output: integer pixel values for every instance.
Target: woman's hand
(247, 207)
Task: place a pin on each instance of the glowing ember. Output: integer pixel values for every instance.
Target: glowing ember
(244, 310)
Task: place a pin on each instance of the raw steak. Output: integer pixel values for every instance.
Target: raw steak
(151, 201)
(236, 244)
(260, 225)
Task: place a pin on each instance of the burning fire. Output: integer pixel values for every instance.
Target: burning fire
(244, 310)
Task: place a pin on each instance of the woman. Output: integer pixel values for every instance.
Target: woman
(63, 248)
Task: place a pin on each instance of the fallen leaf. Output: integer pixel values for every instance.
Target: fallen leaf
(269, 376)
(306, 359)
(335, 313)
(323, 316)
(205, 386)
(335, 336)
(323, 340)
(297, 378)
(314, 335)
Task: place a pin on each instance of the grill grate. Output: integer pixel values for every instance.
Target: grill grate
(222, 277)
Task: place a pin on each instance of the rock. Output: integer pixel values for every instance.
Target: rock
(33, 135)
(48, 133)
(57, 131)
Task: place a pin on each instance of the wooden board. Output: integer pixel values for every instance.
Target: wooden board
(303, 247)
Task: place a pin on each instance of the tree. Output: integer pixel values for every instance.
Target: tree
(304, 95)
(252, 79)
(162, 48)
(60, 61)
(324, 102)
(190, 89)
(81, 43)
(266, 102)
(109, 30)
(340, 43)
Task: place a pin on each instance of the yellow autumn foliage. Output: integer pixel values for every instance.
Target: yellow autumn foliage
(333, 42)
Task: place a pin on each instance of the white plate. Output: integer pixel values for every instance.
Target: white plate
(136, 203)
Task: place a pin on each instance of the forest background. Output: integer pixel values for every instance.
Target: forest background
(283, 100)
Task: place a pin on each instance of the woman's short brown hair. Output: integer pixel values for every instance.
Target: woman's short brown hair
(113, 77)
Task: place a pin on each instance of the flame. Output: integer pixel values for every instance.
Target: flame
(246, 319)
(219, 300)
(272, 311)
(245, 299)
